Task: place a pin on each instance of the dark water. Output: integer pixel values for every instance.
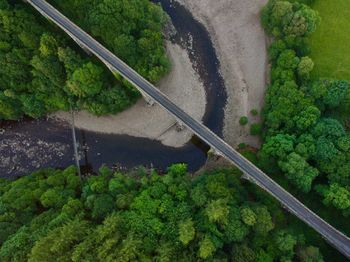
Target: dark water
(126, 151)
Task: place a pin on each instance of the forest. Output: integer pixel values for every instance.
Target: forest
(51, 215)
(147, 215)
(306, 126)
(43, 71)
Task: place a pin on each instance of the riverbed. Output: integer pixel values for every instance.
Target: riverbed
(32, 144)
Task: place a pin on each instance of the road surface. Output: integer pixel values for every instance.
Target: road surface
(332, 235)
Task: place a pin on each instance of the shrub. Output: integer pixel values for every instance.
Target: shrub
(243, 120)
(254, 112)
(255, 129)
(242, 146)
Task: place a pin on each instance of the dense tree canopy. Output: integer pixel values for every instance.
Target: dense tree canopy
(51, 215)
(304, 133)
(42, 71)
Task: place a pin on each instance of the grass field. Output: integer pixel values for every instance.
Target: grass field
(330, 44)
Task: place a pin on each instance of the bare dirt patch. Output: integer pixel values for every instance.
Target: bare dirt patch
(240, 43)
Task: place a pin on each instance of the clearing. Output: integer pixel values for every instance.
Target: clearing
(330, 44)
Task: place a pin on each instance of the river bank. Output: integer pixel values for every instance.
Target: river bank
(97, 148)
(182, 85)
(240, 43)
(21, 141)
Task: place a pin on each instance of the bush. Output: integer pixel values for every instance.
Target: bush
(254, 112)
(242, 146)
(243, 120)
(255, 129)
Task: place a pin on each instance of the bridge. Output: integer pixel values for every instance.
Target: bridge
(250, 171)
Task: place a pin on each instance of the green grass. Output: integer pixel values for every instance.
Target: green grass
(330, 44)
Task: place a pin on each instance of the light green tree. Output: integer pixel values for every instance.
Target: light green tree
(186, 231)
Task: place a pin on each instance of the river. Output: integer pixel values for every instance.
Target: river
(32, 144)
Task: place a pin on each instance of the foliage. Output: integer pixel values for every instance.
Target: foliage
(255, 129)
(305, 67)
(50, 215)
(41, 71)
(298, 171)
(337, 196)
(254, 112)
(286, 19)
(242, 146)
(243, 120)
(304, 135)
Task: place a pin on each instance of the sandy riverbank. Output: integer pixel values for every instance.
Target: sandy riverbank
(240, 43)
(182, 85)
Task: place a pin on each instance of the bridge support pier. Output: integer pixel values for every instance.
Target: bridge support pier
(149, 101)
(84, 48)
(246, 177)
(214, 152)
(80, 44)
(179, 126)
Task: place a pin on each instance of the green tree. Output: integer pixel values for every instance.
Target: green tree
(275, 49)
(243, 120)
(329, 128)
(282, 18)
(325, 149)
(343, 143)
(242, 253)
(86, 81)
(32, 106)
(48, 45)
(102, 206)
(235, 230)
(186, 231)
(336, 93)
(59, 243)
(306, 146)
(255, 129)
(264, 222)
(9, 107)
(305, 67)
(307, 118)
(248, 216)
(286, 242)
(335, 195)
(71, 60)
(278, 146)
(303, 23)
(284, 102)
(217, 211)
(311, 254)
(52, 198)
(298, 171)
(206, 248)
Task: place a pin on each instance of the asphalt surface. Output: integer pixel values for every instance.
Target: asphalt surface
(332, 235)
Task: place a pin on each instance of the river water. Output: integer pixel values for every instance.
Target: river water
(31, 144)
